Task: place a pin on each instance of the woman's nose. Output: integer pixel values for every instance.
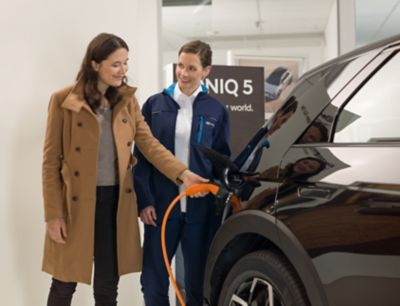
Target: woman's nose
(185, 72)
(124, 69)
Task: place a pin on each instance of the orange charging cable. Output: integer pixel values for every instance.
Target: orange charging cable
(190, 191)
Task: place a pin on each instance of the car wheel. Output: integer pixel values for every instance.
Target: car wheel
(262, 278)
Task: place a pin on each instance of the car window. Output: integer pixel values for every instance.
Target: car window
(373, 114)
(295, 119)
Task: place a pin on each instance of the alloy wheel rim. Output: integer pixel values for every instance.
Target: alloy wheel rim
(255, 292)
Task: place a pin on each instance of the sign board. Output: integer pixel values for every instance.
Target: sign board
(241, 89)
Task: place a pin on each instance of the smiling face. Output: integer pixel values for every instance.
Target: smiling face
(307, 166)
(112, 70)
(189, 72)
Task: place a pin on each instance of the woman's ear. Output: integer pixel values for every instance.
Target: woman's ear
(206, 71)
(95, 66)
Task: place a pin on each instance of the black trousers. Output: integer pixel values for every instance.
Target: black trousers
(105, 282)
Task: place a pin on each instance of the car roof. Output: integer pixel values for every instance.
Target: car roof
(382, 44)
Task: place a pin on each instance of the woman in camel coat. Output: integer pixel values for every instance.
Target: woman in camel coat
(89, 199)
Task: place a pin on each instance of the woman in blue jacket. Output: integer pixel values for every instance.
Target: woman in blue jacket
(183, 117)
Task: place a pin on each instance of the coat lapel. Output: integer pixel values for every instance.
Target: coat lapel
(127, 94)
(75, 100)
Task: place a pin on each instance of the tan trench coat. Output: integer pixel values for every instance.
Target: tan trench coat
(69, 180)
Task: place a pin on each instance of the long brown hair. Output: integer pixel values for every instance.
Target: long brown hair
(98, 50)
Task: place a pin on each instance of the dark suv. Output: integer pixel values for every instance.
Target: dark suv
(320, 189)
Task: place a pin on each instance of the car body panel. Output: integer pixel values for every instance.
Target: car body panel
(347, 218)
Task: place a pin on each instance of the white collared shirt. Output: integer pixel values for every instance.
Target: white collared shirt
(183, 129)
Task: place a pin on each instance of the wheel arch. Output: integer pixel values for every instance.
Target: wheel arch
(253, 230)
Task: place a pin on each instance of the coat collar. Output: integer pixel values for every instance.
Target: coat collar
(170, 89)
(75, 100)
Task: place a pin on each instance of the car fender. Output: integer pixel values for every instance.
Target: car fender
(266, 225)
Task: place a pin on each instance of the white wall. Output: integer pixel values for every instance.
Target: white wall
(346, 20)
(308, 47)
(42, 44)
(331, 34)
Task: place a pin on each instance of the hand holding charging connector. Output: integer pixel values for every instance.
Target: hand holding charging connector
(190, 178)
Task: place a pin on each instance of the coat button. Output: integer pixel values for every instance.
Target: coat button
(124, 120)
(129, 190)
(75, 198)
(76, 173)
(79, 124)
(77, 149)
(129, 143)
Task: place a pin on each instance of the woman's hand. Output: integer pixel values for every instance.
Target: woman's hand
(189, 178)
(57, 230)
(148, 215)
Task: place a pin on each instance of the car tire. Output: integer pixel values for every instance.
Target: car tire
(252, 279)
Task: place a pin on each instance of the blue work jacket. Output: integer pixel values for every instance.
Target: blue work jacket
(210, 128)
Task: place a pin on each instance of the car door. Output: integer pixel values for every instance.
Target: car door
(341, 198)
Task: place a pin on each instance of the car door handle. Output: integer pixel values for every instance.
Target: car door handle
(314, 192)
(378, 207)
